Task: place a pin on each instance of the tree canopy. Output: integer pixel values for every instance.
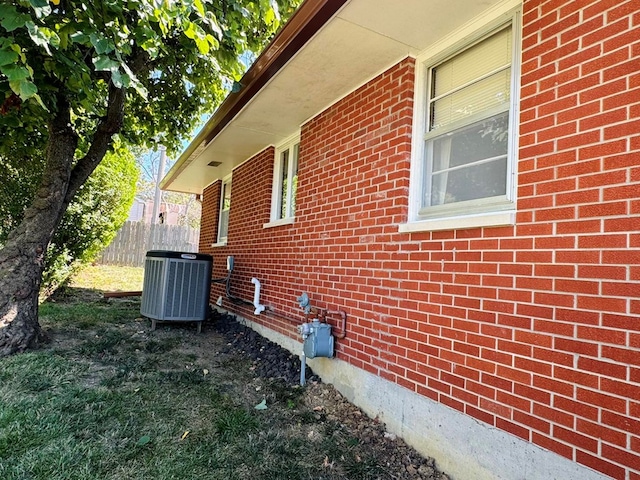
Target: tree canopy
(174, 60)
(75, 75)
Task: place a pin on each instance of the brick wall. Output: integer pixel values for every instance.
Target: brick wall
(534, 328)
(578, 214)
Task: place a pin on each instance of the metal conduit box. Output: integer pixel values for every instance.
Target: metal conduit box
(176, 286)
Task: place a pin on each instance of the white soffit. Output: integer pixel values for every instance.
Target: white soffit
(418, 23)
(365, 38)
(332, 65)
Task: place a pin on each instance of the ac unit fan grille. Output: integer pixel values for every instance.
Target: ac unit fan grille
(176, 289)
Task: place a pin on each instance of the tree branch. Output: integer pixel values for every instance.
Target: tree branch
(108, 126)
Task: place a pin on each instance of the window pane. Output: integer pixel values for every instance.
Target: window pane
(226, 196)
(294, 178)
(490, 92)
(473, 183)
(224, 224)
(475, 80)
(224, 211)
(284, 175)
(475, 62)
(467, 164)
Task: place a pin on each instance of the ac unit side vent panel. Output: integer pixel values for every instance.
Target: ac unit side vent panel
(153, 288)
(176, 288)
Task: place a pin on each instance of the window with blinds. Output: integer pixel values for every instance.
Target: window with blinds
(467, 126)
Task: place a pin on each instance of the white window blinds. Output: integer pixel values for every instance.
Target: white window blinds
(473, 81)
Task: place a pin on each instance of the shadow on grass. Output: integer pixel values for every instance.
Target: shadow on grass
(68, 294)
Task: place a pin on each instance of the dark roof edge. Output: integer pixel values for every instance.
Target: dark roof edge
(307, 20)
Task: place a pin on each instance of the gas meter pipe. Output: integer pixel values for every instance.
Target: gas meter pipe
(343, 326)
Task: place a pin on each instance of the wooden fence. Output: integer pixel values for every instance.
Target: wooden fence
(134, 239)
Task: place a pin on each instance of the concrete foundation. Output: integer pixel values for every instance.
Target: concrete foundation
(463, 447)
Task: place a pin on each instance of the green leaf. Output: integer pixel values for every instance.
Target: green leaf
(7, 11)
(11, 22)
(43, 36)
(18, 50)
(269, 16)
(143, 440)
(104, 63)
(162, 20)
(37, 98)
(135, 83)
(199, 7)
(213, 24)
(64, 40)
(40, 7)
(190, 31)
(152, 49)
(262, 405)
(79, 37)
(203, 45)
(139, 88)
(12, 121)
(120, 80)
(24, 88)
(15, 73)
(276, 9)
(54, 39)
(213, 42)
(101, 44)
(8, 57)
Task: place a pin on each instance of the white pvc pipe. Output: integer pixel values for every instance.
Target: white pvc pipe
(256, 297)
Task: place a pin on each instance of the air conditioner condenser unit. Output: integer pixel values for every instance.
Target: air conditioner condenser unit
(176, 287)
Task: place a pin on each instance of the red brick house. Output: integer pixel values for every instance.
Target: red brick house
(462, 179)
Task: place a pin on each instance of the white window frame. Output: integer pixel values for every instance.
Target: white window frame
(289, 145)
(485, 213)
(225, 185)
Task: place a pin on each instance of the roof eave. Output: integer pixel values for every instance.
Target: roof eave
(308, 19)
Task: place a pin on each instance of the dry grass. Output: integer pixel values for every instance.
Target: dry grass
(109, 278)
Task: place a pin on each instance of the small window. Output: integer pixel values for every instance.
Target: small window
(285, 183)
(225, 206)
(467, 157)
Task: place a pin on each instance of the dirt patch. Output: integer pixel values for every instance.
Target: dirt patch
(401, 460)
(270, 361)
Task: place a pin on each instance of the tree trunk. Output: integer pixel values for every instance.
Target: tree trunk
(22, 258)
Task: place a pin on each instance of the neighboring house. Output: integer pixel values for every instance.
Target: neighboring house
(462, 178)
(138, 209)
(142, 211)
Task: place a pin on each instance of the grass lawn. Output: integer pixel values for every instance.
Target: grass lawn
(109, 399)
(109, 278)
